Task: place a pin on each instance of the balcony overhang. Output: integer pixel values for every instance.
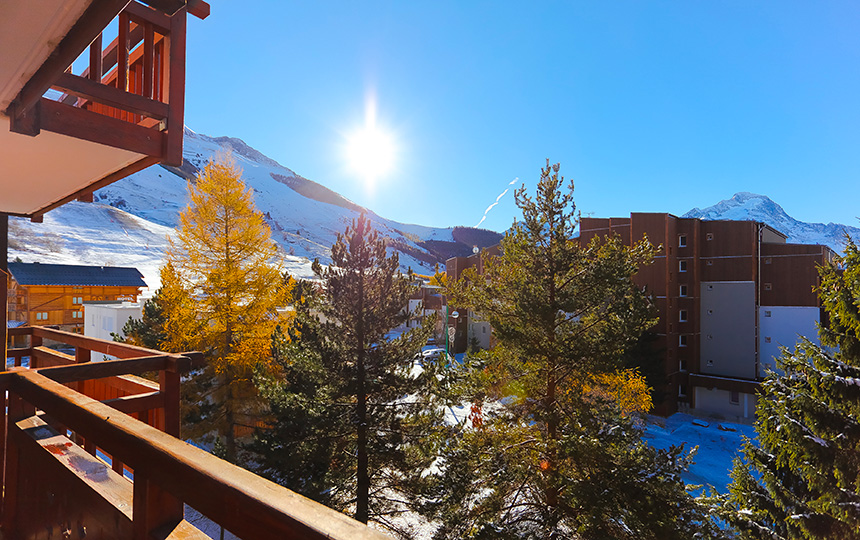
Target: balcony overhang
(122, 114)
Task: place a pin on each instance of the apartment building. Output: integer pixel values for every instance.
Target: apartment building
(729, 294)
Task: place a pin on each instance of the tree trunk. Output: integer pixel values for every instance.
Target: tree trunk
(363, 479)
(230, 420)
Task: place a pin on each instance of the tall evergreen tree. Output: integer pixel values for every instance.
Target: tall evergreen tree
(221, 286)
(550, 457)
(350, 412)
(802, 478)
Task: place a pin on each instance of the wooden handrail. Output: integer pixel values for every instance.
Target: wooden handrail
(239, 500)
(104, 346)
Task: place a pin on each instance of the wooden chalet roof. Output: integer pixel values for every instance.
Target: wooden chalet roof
(74, 275)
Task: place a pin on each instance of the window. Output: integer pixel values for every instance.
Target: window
(736, 397)
(682, 240)
(682, 391)
(709, 236)
(682, 315)
(78, 300)
(41, 315)
(682, 365)
(682, 291)
(682, 340)
(682, 266)
(767, 313)
(767, 286)
(77, 315)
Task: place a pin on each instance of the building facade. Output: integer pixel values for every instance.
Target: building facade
(729, 294)
(54, 294)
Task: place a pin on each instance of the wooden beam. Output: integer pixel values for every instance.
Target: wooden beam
(27, 121)
(199, 8)
(175, 90)
(96, 17)
(104, 346)
(108, 368)
(109, 95)
(168, 7)
(142, 14)
(138, 403)
(244, 503)
(82, 124)
(107, 180)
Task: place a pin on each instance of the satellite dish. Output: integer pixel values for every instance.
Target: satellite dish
(475, 249)
(455, 314)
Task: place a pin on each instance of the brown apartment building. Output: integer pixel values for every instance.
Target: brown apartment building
(729, 295)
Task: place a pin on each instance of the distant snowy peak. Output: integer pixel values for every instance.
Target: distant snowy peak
(750, 206)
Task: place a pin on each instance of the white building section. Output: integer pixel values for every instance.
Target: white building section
(783, 326)
(101, 319)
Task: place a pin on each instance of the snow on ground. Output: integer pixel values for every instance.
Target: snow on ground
(718, 441)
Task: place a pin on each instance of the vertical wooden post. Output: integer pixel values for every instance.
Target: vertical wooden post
(169, 381)
(148, 62)
(96, 65)
(4, 277)
(17, 409)
(122, 54)
(152, 507)
(175, 62)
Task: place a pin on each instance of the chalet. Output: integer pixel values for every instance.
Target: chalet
(54, 294)
(87, 449)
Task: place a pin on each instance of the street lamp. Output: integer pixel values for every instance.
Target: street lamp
(449, 330)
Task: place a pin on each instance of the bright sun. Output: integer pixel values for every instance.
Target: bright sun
(370, 152)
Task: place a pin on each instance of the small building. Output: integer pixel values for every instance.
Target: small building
(54, 294)
(102, 319)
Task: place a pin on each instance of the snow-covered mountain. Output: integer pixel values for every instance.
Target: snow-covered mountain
(129, 221)
(749, 206)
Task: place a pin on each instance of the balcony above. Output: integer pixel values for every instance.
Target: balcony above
(62, 134)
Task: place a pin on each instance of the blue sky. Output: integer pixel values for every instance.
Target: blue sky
(648, 106)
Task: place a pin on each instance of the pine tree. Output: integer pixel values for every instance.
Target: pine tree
(350, 415)
(148, 331)
(550, 457)
(220, 290)
(802, 478)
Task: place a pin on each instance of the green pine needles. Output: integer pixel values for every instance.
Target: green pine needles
(802, 478)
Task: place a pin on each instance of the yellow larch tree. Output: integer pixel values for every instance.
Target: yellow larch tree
(223, 286)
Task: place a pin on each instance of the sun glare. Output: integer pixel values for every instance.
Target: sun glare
(371, 153)
(370, 150)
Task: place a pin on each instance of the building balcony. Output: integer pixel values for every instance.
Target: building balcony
(91, 450)
(65, 134)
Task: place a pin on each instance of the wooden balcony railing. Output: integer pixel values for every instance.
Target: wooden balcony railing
(78, 463)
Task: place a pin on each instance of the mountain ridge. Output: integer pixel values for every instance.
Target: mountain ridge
(752, 206)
